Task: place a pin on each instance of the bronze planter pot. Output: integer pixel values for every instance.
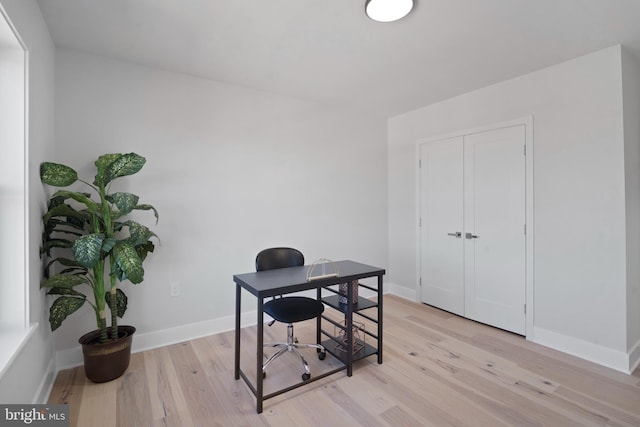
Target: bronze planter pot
(106, 362)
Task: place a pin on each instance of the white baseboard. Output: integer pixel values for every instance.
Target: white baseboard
(618, 360)
(401, 291)
(44, 389)
(72, 357)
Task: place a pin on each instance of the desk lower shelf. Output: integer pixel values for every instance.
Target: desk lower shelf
(366, 351)
(333, 301)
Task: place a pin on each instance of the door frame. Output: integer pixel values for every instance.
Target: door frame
(527, 122)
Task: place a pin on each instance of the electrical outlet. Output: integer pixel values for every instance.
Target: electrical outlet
(175, 289)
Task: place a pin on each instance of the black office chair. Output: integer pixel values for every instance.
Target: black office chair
(289, 309)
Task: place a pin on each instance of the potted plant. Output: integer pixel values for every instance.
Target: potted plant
(93, 246)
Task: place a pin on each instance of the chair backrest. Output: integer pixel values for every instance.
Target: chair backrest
(272, 258)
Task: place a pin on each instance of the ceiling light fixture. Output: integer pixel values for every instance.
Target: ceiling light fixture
(388, 10)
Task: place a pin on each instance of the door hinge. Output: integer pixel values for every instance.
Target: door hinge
(421, 281)
(420, 164)
(525, 229)
(525, 150)
(525, 309)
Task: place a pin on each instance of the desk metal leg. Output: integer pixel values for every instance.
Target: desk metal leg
(380, 319)
(259, 353)
(349, 324)
(236, 368)
(319, 318)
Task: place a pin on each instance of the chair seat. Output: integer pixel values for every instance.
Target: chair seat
(293, 309)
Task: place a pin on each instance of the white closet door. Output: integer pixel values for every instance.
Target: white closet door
(442, 264)
(495, 244)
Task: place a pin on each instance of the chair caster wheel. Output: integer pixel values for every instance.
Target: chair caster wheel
(306, 377)
(322, 355)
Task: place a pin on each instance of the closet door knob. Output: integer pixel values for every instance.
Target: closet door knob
(470, 236)
(457, 234)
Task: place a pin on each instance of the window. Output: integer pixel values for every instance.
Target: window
(13, 283)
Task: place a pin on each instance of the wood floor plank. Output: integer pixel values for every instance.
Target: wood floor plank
(370, 393)
(98, 405)
(168, 403)
(335, 415)
(200, 398)
(439, 370)
(68, 390)
(133, 393)
(350, 405)
(399, 417)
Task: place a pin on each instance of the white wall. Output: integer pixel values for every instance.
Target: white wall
(579, 196)
(631, 102)
(231, 171)
(29, 376)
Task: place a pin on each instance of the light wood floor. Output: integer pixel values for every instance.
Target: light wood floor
(438, 370)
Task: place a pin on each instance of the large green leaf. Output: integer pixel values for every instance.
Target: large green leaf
(87, 249)
(77, 222)
(74, 266)
(127, 262)
(79, 197)
(62, 308)
(62, 219)
(79, 218)
(57, 175)
(138, 233)
(108, 244)
(101, 166)
(54, 243)
(66, 262)
(58, 226)
(121, 300)
(126, 164)
(74, 270)
(63, 211)
(125, 202)
(57, 200)
(144, 249)
(63, 281)
(148, 207)
(66, 291)
(61, 234)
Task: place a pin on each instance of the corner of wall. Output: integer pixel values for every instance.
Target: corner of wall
(401, 291)
(631, 128)
(634, 357)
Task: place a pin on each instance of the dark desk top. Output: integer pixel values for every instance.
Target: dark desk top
(293, 279)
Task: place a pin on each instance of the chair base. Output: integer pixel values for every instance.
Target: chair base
(292, 345)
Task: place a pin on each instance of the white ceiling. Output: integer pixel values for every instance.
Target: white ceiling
(328, 51)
